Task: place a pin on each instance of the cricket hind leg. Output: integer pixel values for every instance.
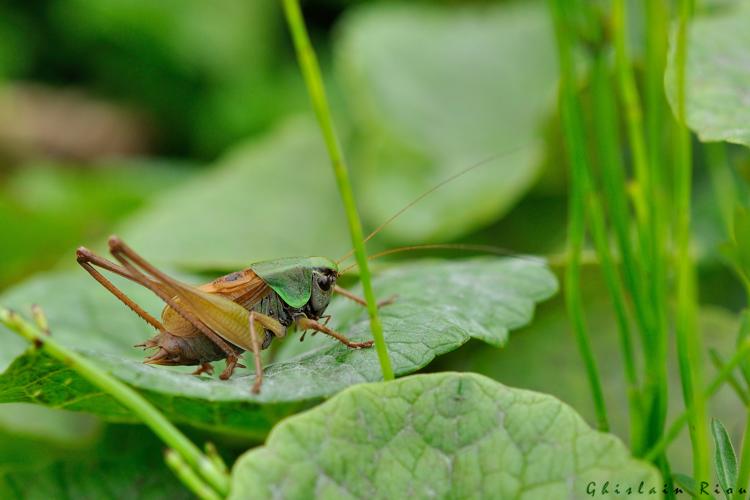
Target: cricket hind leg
(87, 260)
(130, 259)
(305, 323)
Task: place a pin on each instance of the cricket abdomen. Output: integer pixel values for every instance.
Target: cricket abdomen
(184, 344)
(174, 350)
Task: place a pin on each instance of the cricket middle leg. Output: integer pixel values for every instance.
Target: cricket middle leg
(255, 344)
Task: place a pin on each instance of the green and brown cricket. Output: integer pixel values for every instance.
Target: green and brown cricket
(240, 311)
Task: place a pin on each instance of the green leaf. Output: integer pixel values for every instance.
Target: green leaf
(47, 209)
(725, 460)
(199, 62)
(543, 357)
(440, 306)
(272, 198)
(437, 89)
(444, 435)
(36, 422)
(717, 76)
(126, 463)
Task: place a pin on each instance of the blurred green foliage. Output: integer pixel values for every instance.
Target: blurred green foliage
(237, 173)
(46, 210)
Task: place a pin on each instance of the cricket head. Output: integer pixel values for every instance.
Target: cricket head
(304, 283)
(323, 280)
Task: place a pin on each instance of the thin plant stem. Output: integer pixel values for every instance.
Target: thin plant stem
(657, 15)
(743, 350)
(204, 467)
(656, 52)
(743, 476)
(575, 140)
(606, 140)
(718, 363)
(650, 231)
(688, 335)
(743, 337)
(614, 187)
(188, 476)
(723, 183)
(311, 72)
(633, 112)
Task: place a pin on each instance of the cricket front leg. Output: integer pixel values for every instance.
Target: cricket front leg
(359, 300)
(304, 323)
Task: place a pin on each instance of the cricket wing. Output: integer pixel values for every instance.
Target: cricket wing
(243, 287)
(218, 312)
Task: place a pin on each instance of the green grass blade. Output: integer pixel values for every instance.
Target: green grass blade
(311, 72)
(725, 460)
(606, 135)
(576, 145)
(743, 477)
(689, 339)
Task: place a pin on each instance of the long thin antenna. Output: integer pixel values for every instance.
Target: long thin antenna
(433, 189)
(490, 249)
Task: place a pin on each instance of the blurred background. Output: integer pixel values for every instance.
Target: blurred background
(184, 126)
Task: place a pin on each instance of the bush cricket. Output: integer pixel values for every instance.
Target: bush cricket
(240, 311)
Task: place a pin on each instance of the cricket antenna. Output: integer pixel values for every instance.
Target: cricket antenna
(442, 183)
(489, 249)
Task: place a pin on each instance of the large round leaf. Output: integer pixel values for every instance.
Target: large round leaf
(436, 89)
(717, 76)
(445, 435)
(440, 306)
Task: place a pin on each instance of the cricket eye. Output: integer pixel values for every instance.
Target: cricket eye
(325, 282)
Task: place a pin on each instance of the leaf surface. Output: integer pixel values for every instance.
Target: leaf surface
(440, 305)
(543, 357)
(725, 460)
(434, 90)
(717, 75)
(443, 435)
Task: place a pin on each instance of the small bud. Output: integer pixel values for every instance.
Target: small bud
(40, 319)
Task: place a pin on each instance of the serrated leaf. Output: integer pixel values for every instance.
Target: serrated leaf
(127, 463)
(440, 306)
(435, 89)
(443, 435)
(717, 75)
(725, 460)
